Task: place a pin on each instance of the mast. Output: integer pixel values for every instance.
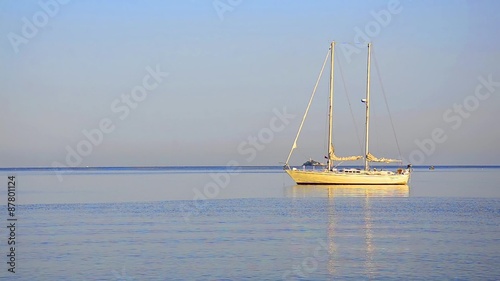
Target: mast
(330, 111)
(367, 102)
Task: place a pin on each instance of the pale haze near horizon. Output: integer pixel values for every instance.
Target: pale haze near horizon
(231, 65)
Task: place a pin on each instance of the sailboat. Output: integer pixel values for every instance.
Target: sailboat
(351, 176)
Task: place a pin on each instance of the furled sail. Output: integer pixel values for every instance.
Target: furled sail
(372, 158)
(334, 157)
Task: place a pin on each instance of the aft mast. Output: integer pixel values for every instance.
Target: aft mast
(367, 102)
(330, 111)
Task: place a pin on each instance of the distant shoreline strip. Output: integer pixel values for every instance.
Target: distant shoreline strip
(235, 169)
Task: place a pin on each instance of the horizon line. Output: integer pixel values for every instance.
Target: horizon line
(225, 166)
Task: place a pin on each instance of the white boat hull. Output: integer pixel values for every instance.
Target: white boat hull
(339, 177)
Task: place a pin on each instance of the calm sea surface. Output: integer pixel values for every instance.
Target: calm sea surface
(249, 224)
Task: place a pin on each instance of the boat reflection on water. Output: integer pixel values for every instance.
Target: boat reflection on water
(348, 191)
(340, 224)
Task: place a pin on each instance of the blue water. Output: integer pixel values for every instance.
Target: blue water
(258, 225)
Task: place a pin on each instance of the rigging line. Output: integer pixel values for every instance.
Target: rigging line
(350, 107)
(308, 106)
(387, 104)
(325, 127)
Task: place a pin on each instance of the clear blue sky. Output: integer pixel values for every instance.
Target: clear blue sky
(66, 65)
